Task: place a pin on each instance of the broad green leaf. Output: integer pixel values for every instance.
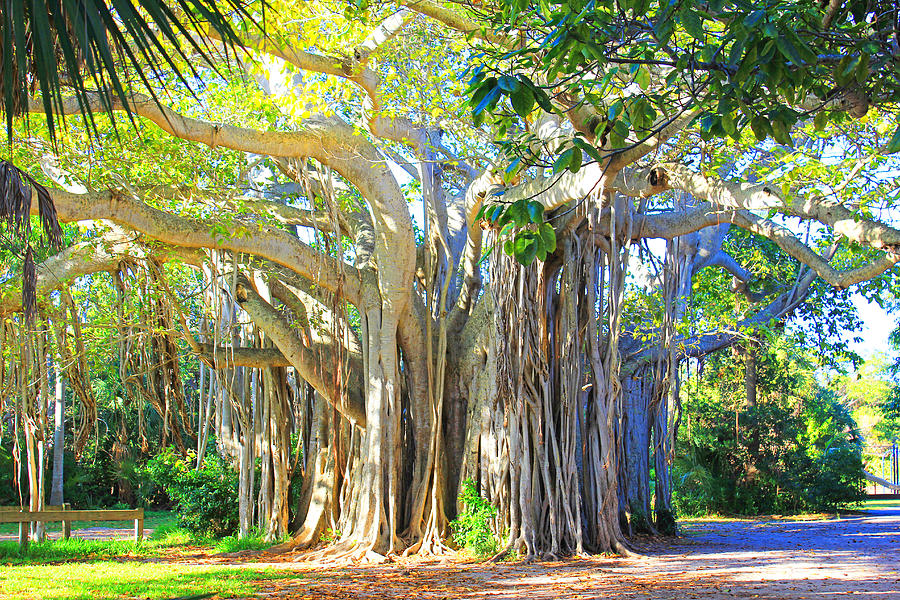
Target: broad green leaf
(894, 145)
(522, 100)
(536, 211)
(575, 162)
(692, 23)
(562, 161)
(548, 235)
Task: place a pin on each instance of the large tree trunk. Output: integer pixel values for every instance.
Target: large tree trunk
(634, 490)
(662, 453)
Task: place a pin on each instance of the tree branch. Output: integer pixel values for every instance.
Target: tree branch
(276, 245)
(306, 360)
(104, 253)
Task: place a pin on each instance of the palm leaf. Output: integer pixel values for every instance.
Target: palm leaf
(47, 45)
(15, 214)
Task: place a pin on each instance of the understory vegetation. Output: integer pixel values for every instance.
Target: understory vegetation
(472, 527)
(796, 448)
(204, 495)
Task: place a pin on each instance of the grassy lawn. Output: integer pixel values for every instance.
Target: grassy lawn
(120, 580)
(166, 540)
(881, 504)
(121, 569)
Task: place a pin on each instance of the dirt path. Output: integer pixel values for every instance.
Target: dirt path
(856, 557)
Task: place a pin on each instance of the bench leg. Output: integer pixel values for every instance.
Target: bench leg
(66, 529)
(138, 530)
(23, 536)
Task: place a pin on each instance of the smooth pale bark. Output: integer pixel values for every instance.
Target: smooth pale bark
(302, 358)
(636, 428)
(59, 428)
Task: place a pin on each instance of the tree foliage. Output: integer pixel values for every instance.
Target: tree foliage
(205, 498)
(798, 449)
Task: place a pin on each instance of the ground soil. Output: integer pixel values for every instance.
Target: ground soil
(856, 556)
(814, 559)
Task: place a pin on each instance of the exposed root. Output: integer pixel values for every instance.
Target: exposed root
(499, 556)
(623, 550)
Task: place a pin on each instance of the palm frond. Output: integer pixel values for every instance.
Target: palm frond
(82, 46)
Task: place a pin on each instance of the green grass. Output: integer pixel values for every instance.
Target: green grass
(234, 544)
(113, 580)
(74, 549)
(165, 539)
(881, 504)
(76, 569)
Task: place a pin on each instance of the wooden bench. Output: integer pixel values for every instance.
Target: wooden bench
(63, 514)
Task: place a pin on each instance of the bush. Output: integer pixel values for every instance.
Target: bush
(472, 528)
(205, 499)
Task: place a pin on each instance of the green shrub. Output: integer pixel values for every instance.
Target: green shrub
(472, 528)
(206, 498)
(233, 543)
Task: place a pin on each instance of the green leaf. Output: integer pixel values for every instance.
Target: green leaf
(485, 256)
(519, 213)
(754, 18)
(587, 148)
(508, 84)
(663, 28)
(820, 121)
(575, 162)
(615, 109)
(847, 69)
(481, 91)
(692, 23)
(862, 70)
(525, 248)
(761, 127)
(642, 78)
(488, 101)
(788, 50)
(728, 125)
(894, 145)
(522, 101)
(562, 161)
(548, 236)
(781, 133)
(536, 211)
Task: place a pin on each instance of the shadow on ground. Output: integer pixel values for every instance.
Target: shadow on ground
(856, 556)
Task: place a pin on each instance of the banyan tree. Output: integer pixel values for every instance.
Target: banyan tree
(428, 244)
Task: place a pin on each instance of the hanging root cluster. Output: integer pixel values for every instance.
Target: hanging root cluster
(548, 456)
